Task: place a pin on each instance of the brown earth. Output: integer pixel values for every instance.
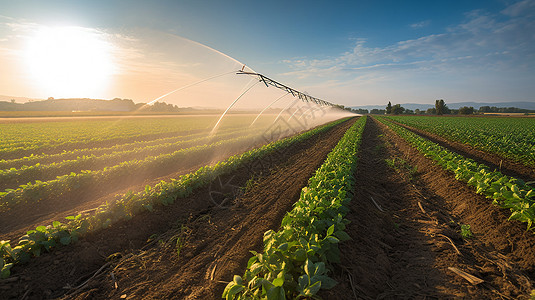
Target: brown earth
(139, 259)
(404, 244)
(494, 161)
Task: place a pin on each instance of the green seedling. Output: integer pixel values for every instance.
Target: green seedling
(466, 233)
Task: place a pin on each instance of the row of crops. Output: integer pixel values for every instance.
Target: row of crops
(513, 138)
(33, 159)
(45, 238)
(62, 175)
(39, 135)
(297, 259)
(151, 166)
(505, 191)
(21, 139)
(13, 177)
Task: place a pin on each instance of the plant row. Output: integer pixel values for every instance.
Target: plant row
(80, 152)
(512, 138)
(506, 192)
(14, 177)
(24, 139)
(74, 184)
(44, 238)
(38, 134)
(296, 260)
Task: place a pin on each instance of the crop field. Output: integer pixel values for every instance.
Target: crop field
(165, 207)
(512, 138)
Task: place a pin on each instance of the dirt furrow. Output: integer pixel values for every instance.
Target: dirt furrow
(406, 219)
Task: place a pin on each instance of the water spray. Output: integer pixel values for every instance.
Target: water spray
(230, 106)
(284, 109)
(311, 110)
(296, 110)
(187, 86)
(269, 107)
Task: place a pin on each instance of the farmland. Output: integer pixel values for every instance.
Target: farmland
(512, 138)
(376, 207)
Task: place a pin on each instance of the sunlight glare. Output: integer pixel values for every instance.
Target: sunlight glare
(70, 61)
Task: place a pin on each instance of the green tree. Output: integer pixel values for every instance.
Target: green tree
(465, 110)
(376, 111)
(397, 109)
(441, 107)
(389, 108)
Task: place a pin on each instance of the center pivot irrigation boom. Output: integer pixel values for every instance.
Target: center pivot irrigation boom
(304, 97)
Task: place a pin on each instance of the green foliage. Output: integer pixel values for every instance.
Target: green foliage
(389, 108)
(397, 109)
(466, 233)
(249, 184)
(441, 108)
(180, 239)
(465, 110)
(295, 260)
(43, 238)
(506, 192)
(98, 159)
(401, 166)
(74, 183)
(46, 137)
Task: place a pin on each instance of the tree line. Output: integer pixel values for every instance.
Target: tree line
(86, 104)
(440, 109)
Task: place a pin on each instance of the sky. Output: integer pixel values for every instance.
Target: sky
(346, 52)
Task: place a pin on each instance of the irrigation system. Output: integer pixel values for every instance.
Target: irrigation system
(270, 82)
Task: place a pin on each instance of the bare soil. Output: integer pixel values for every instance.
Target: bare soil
(404, 244)
(140, 259)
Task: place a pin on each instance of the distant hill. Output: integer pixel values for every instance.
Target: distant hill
(70, 105)
(18, 99)
(476, 105)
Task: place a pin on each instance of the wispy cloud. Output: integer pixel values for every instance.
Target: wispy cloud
(526, 7)
(421, 24)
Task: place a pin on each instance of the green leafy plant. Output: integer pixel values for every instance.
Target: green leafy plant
(5, 250)
(43, 238)
(466, 233)
(402, 166)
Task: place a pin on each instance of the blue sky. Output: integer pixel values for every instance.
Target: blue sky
(349, 52)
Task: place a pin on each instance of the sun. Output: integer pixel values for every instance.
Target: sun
(70, 61)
